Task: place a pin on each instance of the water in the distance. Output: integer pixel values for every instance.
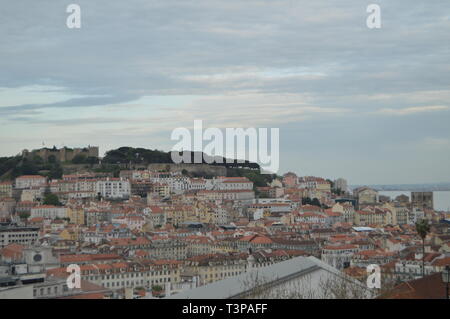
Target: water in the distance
(441, 199)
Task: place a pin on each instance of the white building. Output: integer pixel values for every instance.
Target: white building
(221, 215)
(28, 181)
(339, 256)
(49, 211)
(415, 215)
(20, 235)
(311, 182)
(85, 185)
(232, 183)
(197, 184)
(176, 183)
(113, 188)
(341, 184)
(81, 195)
(31, 194)
(310, 217)
(246, 196)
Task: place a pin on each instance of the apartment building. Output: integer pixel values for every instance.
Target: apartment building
(29, 181)
(10, 234)
(232, 183)
(127, 274)
(339, 256)
(114, 188)
(6, 189)
(49, 211)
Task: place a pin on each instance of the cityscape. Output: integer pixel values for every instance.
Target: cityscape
(185, 153)
(139, 230)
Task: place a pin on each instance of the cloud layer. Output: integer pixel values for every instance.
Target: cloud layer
(349, 101)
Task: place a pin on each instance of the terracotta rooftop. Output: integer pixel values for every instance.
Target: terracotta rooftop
(428, 287)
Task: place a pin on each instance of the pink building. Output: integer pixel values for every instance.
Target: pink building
(290, 179)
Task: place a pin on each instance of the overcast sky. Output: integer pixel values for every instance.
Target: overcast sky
(369, 105)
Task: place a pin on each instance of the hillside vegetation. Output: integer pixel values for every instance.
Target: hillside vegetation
(114, 160)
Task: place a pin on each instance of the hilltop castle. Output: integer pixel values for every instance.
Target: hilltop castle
(64, 154)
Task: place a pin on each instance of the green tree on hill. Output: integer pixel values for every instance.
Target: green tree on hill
(79, 159)
(24, 215)
(51, 199)
(52, 159)
(315, 202)
(92, 160)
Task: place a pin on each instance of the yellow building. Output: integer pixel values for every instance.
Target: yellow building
(395, 211)
(69, 234)
(5, 189)
(204, 213)
(162, 190)
(223, 247)
(377, 216)
(323, 186)
(366, 195)
(30, 195)
(76, 215)
(178, 215)
(214, 267)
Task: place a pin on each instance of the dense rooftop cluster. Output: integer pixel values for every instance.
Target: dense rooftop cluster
(152, 232)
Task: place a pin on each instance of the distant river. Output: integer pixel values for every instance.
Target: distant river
(441, 198)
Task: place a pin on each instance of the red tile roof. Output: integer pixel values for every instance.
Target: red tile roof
(428, 287)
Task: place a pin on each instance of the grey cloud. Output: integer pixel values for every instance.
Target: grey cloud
(75, 102)
(129, 49)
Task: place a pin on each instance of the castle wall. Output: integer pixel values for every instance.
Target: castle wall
(65, 154)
